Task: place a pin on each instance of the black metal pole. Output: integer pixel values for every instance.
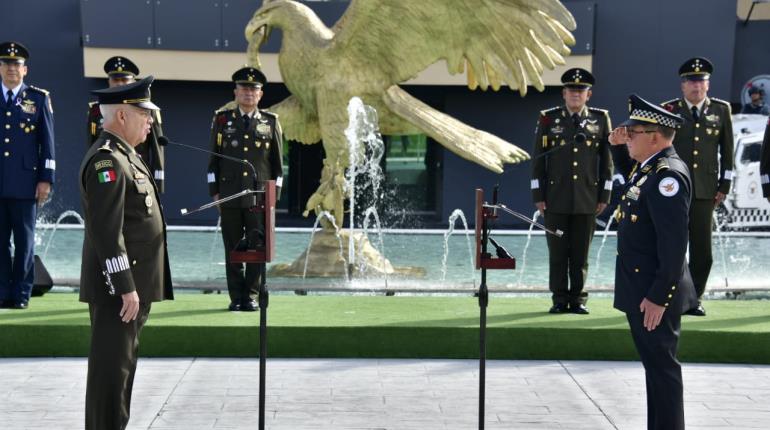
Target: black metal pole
(263, 302)
(483, 301)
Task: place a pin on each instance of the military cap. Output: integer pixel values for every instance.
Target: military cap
(120, 67)
(696, 69)
(13, 52)
(642, 112)
(756, 90)
(136, 93)
(577, 78)
(249, 76)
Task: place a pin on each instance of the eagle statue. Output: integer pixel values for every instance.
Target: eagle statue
(378, 44)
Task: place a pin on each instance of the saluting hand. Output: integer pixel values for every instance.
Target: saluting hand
(652, 314)
(540, 208)
(619, 136)
(215, 198)
(130, 308)
(719, 198)
(600, 207)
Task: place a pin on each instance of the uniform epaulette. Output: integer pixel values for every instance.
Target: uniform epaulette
(223, 109)
(92, 104)
(543, 112)
(662, 165)
(668, 102)
(595, 109)
(268, 113)
(106, 147)
(40, 90)
(719, 101)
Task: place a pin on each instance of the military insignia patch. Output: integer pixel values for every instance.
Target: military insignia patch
(592, 128)
(106, 176)
(557, 130)
(28, 107)
(102, 164)
(712, 118)
(668, 187)
(234, 143)
(264, 128)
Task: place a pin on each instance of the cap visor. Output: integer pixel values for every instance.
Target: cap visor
(147, 105)
(630, 121)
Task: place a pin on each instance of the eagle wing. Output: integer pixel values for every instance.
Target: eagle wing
(502, 41)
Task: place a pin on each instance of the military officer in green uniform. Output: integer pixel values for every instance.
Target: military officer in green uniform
(571, 184)
(122, 71)
(764, 163)
(705, 144)
(125, 261)
(253, 135)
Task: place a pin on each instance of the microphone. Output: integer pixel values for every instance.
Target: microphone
(499, 250)
(163, 141)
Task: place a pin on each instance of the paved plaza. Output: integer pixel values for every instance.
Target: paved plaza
(202, 393)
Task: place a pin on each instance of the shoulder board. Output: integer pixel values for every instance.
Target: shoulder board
(222, 110)
(719, 101)
(268, 113)
(593, 109)
(555, 108)
(662, 165)
(92, 104)
(106, 147)
(39, 90)
(669, 102)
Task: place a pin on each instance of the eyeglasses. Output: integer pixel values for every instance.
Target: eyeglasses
(632, 133)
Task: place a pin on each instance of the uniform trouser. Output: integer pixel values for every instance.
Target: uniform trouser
(657, 349)
(237, 224)
(701, 224)
(568, 256)
(111, 365)
(17, 216)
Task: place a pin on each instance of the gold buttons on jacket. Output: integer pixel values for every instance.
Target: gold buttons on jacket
(245, 148)
(695, 165)
(245, 136)
(8, 113)
(574, 163)
(574, 149)
(673, 287)
(697, 125)
(636, 269)
(695, 152)
(134, 262)
(670, 296)
(7, 153)
(7, 126)
(245, 173)
(574, 177)
(7, 140)
(697, 138)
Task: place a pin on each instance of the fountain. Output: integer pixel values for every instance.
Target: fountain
(64, 215)
(457, 213)
(526, 247)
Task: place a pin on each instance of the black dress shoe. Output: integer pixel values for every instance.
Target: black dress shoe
(21, 305)
(249, 306)
(579, 309)
(234, 307)
(558, 308)
(697, 311)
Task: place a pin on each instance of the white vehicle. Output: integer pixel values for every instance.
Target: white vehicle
(745, 207)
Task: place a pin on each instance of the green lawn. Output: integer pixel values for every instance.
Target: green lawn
(379, 326)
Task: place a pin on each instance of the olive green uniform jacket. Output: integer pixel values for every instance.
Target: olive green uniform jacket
(571, 174)
(124, 248)
(260, 144)
(706, 146)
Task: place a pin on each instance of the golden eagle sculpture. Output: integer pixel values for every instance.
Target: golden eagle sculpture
(378, 44)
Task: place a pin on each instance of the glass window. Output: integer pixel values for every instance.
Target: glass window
(751, 152)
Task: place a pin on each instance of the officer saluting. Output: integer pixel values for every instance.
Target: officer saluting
(571, 184)
(652, 281)
(125, 262)
(122, 71)
(253, 135)
(27, 170)
(705, 143)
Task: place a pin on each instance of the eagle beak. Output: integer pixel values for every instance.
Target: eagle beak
(256, 33)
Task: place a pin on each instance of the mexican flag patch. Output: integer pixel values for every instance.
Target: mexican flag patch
(106, 176)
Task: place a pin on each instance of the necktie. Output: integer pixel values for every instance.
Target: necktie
(575, 120)
(9, 99)
(246, 121)
(695, 113)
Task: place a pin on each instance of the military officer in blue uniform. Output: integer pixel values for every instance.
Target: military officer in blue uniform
(122, 71)
(653, 285)
(764, 163)
(27, 168)
(571, 184)
(705, 144)
(125, 264)
(253, 135)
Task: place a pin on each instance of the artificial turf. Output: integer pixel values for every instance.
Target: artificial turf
(736, 331)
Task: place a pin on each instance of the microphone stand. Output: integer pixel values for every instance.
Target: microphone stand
(261, 266)
(486, 214)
